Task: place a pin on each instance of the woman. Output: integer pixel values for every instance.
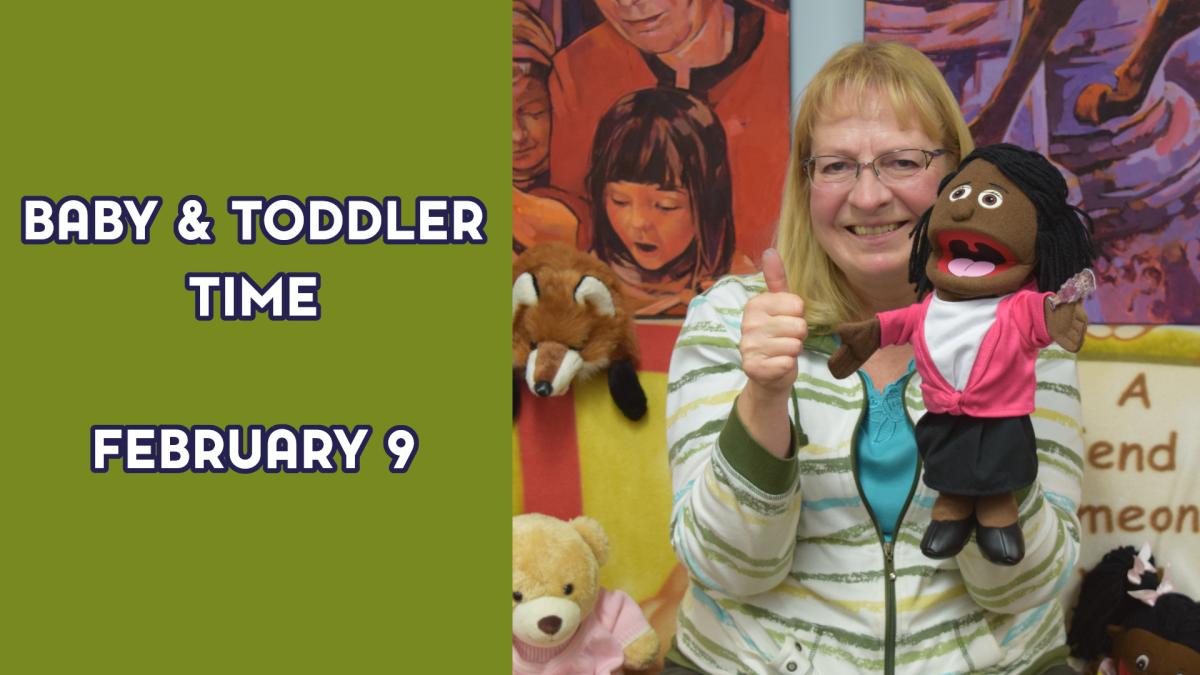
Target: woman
(541, 212)
(662, 201)
(798, 505)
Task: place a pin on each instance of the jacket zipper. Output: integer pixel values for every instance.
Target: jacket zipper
(889, 570)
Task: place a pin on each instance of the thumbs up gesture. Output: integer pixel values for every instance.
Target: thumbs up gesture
(773, 332)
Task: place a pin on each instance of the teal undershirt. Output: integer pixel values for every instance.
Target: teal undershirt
(887, 452)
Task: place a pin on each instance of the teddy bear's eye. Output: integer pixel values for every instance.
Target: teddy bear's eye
(578, 347)
(518, 596)
(1142, 663)
(568, 589)
(533, 345)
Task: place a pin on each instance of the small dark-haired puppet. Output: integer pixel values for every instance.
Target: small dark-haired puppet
(986, 259)
(1129, 620)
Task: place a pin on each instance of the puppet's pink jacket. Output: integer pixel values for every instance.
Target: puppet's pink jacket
(1002, 381)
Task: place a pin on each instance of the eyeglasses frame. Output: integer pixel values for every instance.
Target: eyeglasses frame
(930, 155)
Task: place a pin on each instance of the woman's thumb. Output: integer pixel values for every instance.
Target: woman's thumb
(773, 272)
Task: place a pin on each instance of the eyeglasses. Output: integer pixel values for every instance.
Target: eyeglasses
(890, 167)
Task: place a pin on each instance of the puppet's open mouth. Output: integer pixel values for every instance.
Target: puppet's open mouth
(970, 254)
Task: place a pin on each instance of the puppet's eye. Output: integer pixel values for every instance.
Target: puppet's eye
(990, 199)
(960, 192)
(1142, 663)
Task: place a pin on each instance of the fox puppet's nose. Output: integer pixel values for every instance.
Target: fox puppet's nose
(543, 388)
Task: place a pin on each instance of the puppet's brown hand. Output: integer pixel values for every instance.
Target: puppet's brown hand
(860, 339)
(1067, 324)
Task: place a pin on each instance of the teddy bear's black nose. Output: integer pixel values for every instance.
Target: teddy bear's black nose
(542, 388)
(550, 624)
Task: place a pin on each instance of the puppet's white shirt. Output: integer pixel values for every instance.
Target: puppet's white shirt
(953, 333)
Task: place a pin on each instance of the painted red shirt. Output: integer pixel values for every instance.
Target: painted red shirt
(752, 101)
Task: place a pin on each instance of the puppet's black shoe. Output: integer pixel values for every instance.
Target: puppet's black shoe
(1001, 545)
(945, 538)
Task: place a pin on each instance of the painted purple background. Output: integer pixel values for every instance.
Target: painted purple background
(1020, 71)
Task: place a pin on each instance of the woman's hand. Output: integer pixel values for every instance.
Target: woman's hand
(773, 332)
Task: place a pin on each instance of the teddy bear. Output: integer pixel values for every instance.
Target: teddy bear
(563, 622)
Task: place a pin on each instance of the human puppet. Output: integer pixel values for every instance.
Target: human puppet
(986, 258)
(1129, 619)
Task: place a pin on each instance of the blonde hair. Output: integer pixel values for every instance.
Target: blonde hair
(917, 92)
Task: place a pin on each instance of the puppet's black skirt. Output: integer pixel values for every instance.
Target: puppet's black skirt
(977, 456)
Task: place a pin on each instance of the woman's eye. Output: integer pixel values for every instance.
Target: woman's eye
(960, 192)
(990, 199)
(518, 596)
(836, 167)
(1142, 663)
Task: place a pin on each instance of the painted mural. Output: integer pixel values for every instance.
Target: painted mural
(652, 133)
(1108, 90)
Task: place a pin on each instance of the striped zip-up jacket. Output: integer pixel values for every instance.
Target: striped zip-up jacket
(789, 572)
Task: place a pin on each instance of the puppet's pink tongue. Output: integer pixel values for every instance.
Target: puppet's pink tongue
(965, 267)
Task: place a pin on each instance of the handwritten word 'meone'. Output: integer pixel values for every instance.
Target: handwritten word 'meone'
(359, 220)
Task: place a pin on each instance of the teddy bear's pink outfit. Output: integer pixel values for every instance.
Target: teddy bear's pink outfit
(597, 648)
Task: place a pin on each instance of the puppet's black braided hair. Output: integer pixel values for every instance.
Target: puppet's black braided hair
(1104, 600)
(1064, 237)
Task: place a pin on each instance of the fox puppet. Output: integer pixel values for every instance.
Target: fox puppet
(570, 321)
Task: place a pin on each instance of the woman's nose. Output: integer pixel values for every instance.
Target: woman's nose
(519, 132)
(868, 192)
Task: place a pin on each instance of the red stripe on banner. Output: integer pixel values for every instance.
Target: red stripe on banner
(550, 455)
(656, 341)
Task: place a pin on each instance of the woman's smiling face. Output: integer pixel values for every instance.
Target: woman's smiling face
(654, 224)
(864, 224)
